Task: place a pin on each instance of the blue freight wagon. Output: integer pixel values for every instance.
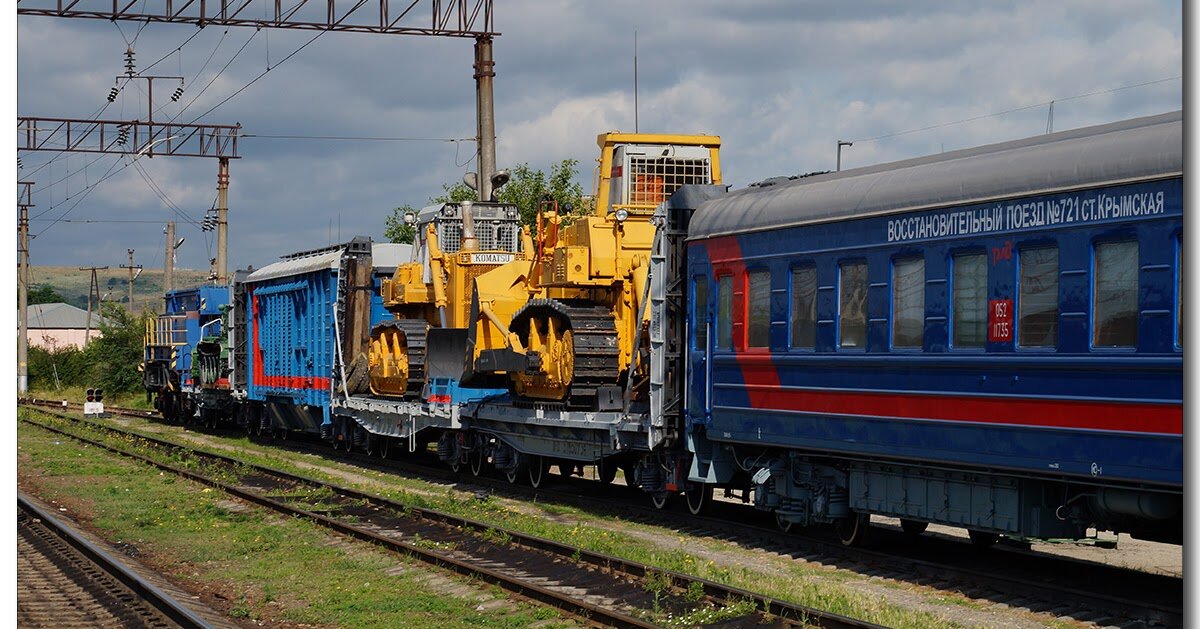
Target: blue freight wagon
(189, 315)
(299, 330)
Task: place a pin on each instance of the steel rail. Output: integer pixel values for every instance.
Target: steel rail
(155, 597)
(1009, 586)
(728, 594)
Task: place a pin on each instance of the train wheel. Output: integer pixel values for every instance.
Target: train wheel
(455, 464)
(660, 499)
(537, 471)
(852, 530)
(385, 446)
(512, 475)
(913, 528)
(783, 523)
(372, 445)
(982, 539)
(607, 471)
(698, 496)
(476, 460)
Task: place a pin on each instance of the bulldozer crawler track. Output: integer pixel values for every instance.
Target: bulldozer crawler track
(415, 335)
(596, 347)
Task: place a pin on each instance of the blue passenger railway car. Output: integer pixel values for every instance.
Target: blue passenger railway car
(990, 338)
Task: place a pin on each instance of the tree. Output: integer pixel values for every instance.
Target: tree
(44, 294)
(526, 188)
(114, 356)
(396, 230)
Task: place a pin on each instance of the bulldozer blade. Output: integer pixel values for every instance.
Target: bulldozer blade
(446, 353)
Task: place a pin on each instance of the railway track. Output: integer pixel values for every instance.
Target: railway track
(596, 587)
(1080, 590)
(64, 580)
(1007, 574)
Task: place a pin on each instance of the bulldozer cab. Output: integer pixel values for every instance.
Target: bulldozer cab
(638, 171)
(497, 227)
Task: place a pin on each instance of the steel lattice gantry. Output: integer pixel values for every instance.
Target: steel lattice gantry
(36, 133)
(454, 18)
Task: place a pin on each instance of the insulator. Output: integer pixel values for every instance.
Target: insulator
(112, 94)
(178, 93)
(129, 65)
(123, 135)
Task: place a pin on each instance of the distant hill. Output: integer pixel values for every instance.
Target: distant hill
(73, 284)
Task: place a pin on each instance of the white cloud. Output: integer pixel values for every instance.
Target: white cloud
(779, 81)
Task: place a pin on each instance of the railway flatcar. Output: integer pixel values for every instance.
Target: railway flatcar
(989, 338)
(190, 315)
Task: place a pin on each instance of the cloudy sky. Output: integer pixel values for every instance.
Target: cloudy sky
(779, 81)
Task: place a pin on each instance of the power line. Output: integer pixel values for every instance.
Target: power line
(161, 194)
(98, 220)
(264, 73)
(1016, 109)
(86, 191)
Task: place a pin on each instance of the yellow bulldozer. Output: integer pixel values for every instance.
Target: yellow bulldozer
(430, 297)
(567, 324)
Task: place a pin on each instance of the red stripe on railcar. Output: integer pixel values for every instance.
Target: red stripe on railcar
(1136, 417)
(259, 376)
(725, 255)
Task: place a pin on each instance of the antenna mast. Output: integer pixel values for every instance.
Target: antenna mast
(635, 82)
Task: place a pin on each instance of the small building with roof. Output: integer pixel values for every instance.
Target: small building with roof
(55, 326)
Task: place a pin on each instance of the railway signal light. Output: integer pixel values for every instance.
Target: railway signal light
(95, 395)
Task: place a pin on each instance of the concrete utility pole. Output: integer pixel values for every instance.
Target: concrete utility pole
(23, 291)
(132, 277)
(169, 259)
(485, 115)
(94, 288)
(222, 219)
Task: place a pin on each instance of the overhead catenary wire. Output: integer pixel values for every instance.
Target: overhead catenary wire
(104, 107)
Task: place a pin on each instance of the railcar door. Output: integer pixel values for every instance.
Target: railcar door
(699, 353)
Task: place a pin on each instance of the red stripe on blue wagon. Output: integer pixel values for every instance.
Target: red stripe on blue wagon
(762, 387)
(259, 377)
(725, 255)
(1137, 417)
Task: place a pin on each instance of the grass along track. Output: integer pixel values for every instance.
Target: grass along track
(591, 585)
(1070, 589)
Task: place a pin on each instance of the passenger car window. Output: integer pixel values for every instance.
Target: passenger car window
(725, 312)
(1037, 298)
(969, 295)
(1114, 294)
(700, 312)
(758, 303)
(852, 305)
(804, 307)
(908, 303)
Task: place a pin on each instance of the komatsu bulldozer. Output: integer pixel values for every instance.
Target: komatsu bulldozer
(430, 297)
(568, 325)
